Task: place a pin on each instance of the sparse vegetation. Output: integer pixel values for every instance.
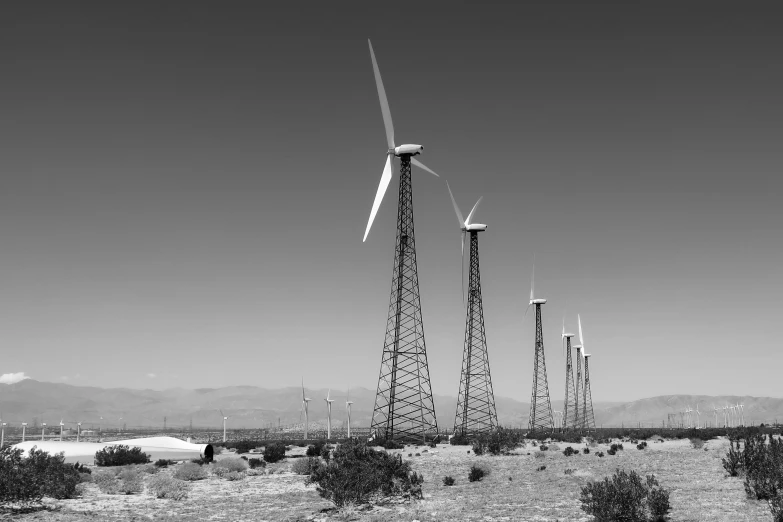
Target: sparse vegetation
(130, 480)
(697, 443)
(570, 451)
(165, 486)
(274, 452)
(643, 444)
(498, 442)
(120, 455)
(304, 466)
(256, 463)
(163, 463)
(356, 473)
(26, 480)
(448, 480)
(232, 464)
(625, 497)
(477, 473)
(190, 471)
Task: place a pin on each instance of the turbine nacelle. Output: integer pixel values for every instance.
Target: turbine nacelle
(567, 335)
(537, 301)
(408, 149)
(474, 227)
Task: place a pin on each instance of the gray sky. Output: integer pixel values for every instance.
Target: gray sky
(184, 190)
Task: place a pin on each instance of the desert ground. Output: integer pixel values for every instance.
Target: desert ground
(513, 490)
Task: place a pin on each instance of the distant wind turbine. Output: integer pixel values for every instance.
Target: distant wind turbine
(2, 435)
(24, 427)
(348, 407)
(329, 415)
(61, 430)
(305, 404)
(224, 425)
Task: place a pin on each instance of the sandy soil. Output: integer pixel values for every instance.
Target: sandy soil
(514, 490)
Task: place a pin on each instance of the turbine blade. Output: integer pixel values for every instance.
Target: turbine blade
(384, 184)
(528, 308)
(533, 278)
(456, 208)
(581, 340)
(470, 216)
(387, 119)
(423, 166)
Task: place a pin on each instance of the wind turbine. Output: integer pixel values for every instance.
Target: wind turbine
(43, 430)
(225, 418)
(540, 405)
(348, 403)
(61, 430)
(24, 427)
(476, 410)
(329, 415)
(78, 430)
(570, 404)
(404, 408)
(305, 403)
(698, 415)
(406, 153)
(2, 435)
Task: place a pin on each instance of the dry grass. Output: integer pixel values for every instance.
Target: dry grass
(700, 490)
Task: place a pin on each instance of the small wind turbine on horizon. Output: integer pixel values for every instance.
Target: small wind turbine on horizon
(61, 430)
(348, 403)
(305, 404)
(329, 402)
(24, 428)
(225, 418)
(78, 430)
(43, 430)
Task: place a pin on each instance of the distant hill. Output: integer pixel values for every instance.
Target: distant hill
(253, 407)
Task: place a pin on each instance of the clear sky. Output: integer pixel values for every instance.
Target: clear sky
(184, 189)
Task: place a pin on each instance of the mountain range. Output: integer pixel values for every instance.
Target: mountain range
(34, 402)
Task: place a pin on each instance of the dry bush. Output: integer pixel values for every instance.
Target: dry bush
(697, 443)
(232, 464)
(131, 481)
(107, 482)
(190, 471)
(120, 456)
(234, 475)
(304, 466)
(625, 497)
(165, 486)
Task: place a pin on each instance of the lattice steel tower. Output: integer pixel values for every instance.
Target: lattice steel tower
(570, 400)
(404, 409)
(540, 406)
(578, 392)
(476, 401)
(588, 418)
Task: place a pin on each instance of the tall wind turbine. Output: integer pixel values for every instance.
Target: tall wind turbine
(329, 402)
(476, 412)
(61, 430)
(571, 401)
(404, 408)
(78, 430)
(43, 430)
(305, 404)
(540, 406)
(225, 418)
(588, 417)
(2, 435)
(348, 403)
(24, 428)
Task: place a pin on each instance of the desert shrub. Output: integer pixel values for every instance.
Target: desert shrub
(554, 447)
(245, 458)
(763, 467)
(543, 447)
(697, 443)
(571, 437)
(81, 468)
(600, 453)
(356, 473)
(130, 481)
(326, 451)
(120, 455)
(107, 482)
(569, 471)
(304, 466)
(616, 447)
(643, 444)
(497, 442)
(541, 468)
(540, 455)
(165, 486)
(611, 451)
(459, 439)
(25, 480)
(314, 450)
(274, 452)
(256, 463)
(389, 445)
(625, 497)
(200, 461)
(85, 478)
(776, 507)
(244, 446)
(233, 464)
(80, 489)
(163, 463)
(586, 451)
(477, 473)
(570, 451)
(448, 480)
(190, 471)
(234, 475)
